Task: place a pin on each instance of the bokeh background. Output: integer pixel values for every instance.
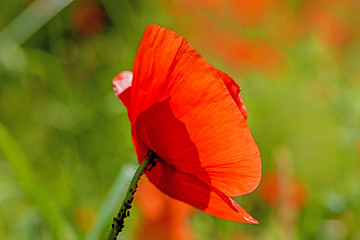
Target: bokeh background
(65, 148)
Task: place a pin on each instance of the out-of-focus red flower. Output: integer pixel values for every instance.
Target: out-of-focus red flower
(84, 217)
(334, 22)
(232, 46)
(88, 17)
(329, 28)
(274, 192)
(252, 12)
(245, 12)
(191, 115)
(162, 217)
(256, 54)
(241, 53)
(184, 7)
(241, 236)
(290, 25)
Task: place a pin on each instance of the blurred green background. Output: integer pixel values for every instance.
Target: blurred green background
(65, 147)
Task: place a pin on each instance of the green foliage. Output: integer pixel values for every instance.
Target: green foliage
(65, 142)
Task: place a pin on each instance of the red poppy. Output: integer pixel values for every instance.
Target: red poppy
(191, 115)
(253, 12)
(274, 191)
(249, 53)
(162, 217)
(84, 217)
(329, 28)
(88, 18)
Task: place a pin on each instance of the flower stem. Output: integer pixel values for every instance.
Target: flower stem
(124, 211)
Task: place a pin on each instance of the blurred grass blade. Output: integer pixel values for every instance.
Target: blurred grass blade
(54, 219)
(23, 27)
(32, 19)
(110, 206)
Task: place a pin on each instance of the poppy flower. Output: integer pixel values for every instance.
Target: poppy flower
(191, 115)
(249, 53)
(253, 12)
(329, 28)
(272, 191)
(88, 18)
(162, 217)
(84, 217)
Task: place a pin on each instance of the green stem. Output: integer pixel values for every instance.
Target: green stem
(118, 221)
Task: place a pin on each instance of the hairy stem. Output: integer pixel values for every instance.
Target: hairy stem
(124, 211)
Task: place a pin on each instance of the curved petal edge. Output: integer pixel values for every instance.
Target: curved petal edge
(122, 85)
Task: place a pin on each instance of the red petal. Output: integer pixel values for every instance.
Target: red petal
(168, 68)
(190, 189)
(122, 87)
(159, 130)
(234, 90)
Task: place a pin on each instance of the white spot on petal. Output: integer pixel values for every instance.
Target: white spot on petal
(122, 81)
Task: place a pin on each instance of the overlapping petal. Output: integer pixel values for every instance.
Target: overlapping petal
(234, 90)
(190, 189)
(122, 87)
